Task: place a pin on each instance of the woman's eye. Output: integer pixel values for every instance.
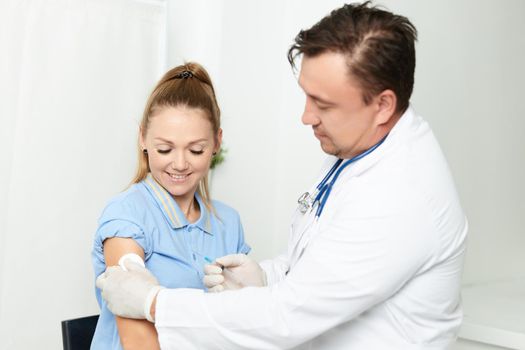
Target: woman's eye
(164, 151)
(196, 151)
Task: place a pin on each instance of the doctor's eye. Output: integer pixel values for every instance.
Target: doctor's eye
(164, 151)
(323, 108)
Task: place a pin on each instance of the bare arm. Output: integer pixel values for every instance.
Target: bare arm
(134, 334)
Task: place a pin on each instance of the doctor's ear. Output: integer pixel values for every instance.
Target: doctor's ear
(386, 106)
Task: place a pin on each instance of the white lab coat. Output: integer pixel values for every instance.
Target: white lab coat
(380, 269)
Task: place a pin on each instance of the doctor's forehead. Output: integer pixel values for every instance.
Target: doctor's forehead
(326, 76)
(305, 82)
(312, 86)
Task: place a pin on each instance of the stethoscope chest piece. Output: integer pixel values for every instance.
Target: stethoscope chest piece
(322, 192)
(305, 202)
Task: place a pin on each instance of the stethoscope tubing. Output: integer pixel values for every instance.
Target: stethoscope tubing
(325, 188)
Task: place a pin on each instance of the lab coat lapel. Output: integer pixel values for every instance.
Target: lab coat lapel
(303, 228)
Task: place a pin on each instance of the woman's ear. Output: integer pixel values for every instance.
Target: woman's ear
(218, 141)
(386, 106)
(142, 142)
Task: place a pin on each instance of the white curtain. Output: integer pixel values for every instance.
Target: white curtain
(74, 79)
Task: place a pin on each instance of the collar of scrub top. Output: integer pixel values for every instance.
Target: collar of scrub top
(171, 209)
(324, 188)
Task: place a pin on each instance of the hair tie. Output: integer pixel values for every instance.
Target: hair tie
(184, 75)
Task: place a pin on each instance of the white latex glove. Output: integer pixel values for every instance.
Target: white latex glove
(129, 293)
(231, 272)
(217, 278)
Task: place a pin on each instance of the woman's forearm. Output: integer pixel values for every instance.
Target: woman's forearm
(137, 334)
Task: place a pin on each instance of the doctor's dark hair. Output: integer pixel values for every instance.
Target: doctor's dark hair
(378, 45)
(188, 85)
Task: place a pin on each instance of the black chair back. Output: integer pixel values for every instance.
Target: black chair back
(77, 333)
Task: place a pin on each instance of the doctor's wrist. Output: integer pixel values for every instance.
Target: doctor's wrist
(264, 278)
(151, 303)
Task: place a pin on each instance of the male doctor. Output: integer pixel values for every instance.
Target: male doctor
(376, 248)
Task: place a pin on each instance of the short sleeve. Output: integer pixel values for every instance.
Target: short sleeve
(242, 246)
(120, 218)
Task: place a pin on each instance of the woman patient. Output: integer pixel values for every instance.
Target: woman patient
(166, 216)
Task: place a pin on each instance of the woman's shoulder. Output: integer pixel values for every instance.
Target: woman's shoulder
(229, 225)
(224, 211)
(130, 200)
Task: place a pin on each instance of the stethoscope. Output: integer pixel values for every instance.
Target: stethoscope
(322, 192)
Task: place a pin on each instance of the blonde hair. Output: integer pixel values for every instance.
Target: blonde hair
(187, 85)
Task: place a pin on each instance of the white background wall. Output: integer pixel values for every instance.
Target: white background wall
(58, 170)
(469, 80)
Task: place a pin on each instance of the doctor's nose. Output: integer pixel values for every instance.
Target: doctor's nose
(309, 116)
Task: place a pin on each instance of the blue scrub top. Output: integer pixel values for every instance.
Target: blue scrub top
(174, 249)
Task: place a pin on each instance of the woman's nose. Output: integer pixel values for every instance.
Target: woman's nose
(179, 162)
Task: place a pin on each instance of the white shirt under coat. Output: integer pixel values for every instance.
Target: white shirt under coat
(380, 269)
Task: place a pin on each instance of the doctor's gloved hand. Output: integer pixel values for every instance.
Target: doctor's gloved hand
(129, 293)
(234, 271)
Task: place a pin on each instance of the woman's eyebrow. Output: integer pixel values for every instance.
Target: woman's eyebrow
(163, 140)
(171, 143)
(199, 140)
